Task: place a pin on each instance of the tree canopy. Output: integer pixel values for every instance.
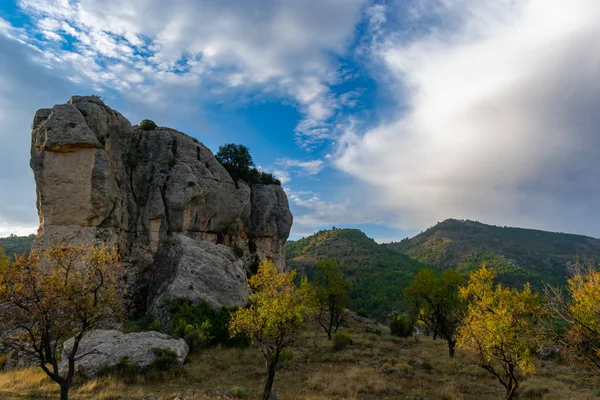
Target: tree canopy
(332, 294)
(238, 162)
(50, 296)
(278, 310)
(437, 304)
(500, 328)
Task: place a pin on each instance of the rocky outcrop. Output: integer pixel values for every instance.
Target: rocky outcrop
(159, 196)
(191, 270)
(101, 349)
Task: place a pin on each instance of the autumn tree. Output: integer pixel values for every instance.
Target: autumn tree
(437, 304)
(52, 295)
(332, 296)
(500, 328)
(576, 314)
(278, 310)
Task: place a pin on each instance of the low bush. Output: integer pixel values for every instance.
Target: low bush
(143, 324)
(402, 325)
(362, 313)
(341, 341)
(237, 250)
(125, 369)
(238, 392)
(164, 359)
(200, 326)
(148, 125)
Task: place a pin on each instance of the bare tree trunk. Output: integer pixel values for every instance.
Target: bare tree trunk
(451, 346)
(271, 367)
(64, 391)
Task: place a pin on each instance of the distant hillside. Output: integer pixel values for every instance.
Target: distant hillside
(16, 244)
(519, 255)
(378, 274)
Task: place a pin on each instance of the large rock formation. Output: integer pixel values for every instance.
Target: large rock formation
(160, 197)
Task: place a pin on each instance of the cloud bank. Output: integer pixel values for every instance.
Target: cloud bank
(497, 116)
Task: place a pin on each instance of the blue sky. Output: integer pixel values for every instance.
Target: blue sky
(386, 116)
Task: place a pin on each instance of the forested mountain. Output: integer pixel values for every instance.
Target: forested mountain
(378, 274)
(518, 255)
(16, 244)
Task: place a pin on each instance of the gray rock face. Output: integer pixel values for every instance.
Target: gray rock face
(102, 348)
(100, 180)
(196, 271)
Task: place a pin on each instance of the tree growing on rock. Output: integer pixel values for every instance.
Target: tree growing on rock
(437, 304)
(332, 295)
(278, 310)
(236, 159)
(52, 295)
(578, 314)
(501, 328)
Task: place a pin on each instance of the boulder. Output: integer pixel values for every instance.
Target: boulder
(196, 272)
(101, 180)
(105, 348)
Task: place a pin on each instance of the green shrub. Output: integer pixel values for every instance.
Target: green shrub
(340, 341)
(362, 313)
(164, 359)
(125, 369)
(200, 326)
(148, 125)
(237, 250)
(143, 324)
(368, 344)
(402, 325)
(238, 392)
(172, 161)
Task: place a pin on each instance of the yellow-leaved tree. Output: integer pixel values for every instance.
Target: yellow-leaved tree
(578, 314)
(52, 295)
(278, 310)
(500, 328)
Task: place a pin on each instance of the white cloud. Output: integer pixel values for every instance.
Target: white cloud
(497, 116)
(149, 51)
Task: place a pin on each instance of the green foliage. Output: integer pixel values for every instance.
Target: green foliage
(377, 274)
(125, 369)
(518, 255)
(341, 341)
(238, 162)
(238, 392)
(332, 295)
(148, 125)
(143, 324)
(164, 359)
(436, 302)
(402, 325)
(14, 244)
(362, 313)
(237, 251)
(200, 326)
(172, 161)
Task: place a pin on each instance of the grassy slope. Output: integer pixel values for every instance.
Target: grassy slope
(16, 244)
(373, 367)
(520, 255)
(379, 275)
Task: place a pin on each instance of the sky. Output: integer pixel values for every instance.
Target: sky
(387, 116)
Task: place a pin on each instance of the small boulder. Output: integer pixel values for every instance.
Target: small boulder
(102, 348)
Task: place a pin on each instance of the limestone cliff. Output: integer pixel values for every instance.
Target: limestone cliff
(160, 197)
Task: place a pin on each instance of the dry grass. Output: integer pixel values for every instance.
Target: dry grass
(374, 367)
